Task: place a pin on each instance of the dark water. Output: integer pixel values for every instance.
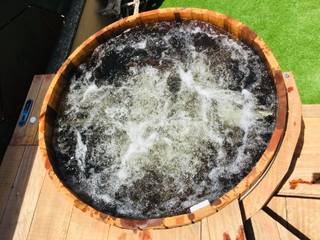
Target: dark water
(163, 117)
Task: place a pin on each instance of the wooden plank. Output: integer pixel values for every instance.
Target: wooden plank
(282, 209)
(303, 213)
(26, 135)
(263, 191)
(20, 134)
(42, 92)
(24, 196)
(205, 233)
(311, 135)
(311, 110)
(188, 232)
(285, 234)
(265, 227)
(278, 205)
(116, 233)
(84, 227)
(52, 215)
(305, 178)
(225, 224)
(8, 171)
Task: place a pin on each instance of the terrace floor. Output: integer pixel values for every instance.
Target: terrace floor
(31, 206)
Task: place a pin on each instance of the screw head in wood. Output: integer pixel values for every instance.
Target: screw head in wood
(33, 120)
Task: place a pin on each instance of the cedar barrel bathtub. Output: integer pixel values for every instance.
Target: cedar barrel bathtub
(238, 31)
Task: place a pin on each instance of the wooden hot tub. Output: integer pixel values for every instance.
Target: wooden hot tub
(238, 31)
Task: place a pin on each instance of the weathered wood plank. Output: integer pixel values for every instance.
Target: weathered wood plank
(37, 107)
(226, 224)
(278, 205)
(8, 171)
(294, 219)
(116, 233)
(83, 227)
(265, 227)
(205, 233)
(305, 178)
(303, 213)
(25, 135)
(24, 196)
(311, 110)
(311, 136)
(269, 183)
(52, 215)
(189, 232)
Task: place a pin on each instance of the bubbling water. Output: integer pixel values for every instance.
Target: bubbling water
(162, 117)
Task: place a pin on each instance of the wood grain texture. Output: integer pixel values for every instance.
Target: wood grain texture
(225, 223)
(311, 135)
(52, 214)
(262, 193)
(265, 227)
(8, 171)
(27, 135)
(23, 196)
(23, 135)
(82, 227)
(279, 206)
(205, 232)
(305, 178)
(311, 110)
(116, 233)
(306, 172)
(189, 232)
(304, 214)
(46, 80)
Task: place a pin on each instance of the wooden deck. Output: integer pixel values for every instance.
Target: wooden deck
(284, 205)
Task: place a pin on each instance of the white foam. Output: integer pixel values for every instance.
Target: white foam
(80, 153)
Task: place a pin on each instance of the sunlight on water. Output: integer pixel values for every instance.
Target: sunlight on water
(163, 117)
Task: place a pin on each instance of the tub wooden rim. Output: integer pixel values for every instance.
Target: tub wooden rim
(238, 31)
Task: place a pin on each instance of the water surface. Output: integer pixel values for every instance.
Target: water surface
(162, 117)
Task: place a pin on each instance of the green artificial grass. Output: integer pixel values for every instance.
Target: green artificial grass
(291, 28)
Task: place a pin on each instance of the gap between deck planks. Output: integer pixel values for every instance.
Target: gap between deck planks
(8, 171)
(225, 224)
(299, 215)
(23, 196)
(21, 171)
(22, 136)
(265, 227)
